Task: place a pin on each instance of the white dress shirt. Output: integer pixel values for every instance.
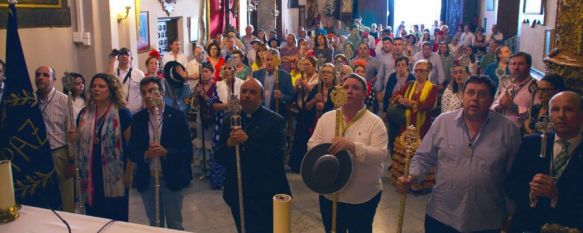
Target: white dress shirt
(131, 88)
(369, 135)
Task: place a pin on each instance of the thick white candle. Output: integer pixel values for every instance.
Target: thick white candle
(6, 186)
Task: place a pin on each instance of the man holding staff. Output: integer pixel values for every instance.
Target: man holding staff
(261, 141)
(547, 186)
(472, 149)
(365, 137)
(173, 148)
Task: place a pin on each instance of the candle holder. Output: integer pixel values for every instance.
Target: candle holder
(10, 214)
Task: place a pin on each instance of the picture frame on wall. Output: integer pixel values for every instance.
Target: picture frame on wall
(144, 32)
(490, 5)
(35, 3)
(534, 7)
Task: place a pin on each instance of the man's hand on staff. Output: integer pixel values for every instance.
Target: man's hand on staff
(404, 183)
(237, 137)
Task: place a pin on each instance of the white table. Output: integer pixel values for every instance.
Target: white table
(38, 220)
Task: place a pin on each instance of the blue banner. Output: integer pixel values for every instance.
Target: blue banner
(23, 138)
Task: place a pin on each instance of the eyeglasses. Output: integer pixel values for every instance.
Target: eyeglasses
(327, 72)
(44, 74)
(420, 70)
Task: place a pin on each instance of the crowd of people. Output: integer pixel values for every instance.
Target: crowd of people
(474, 103)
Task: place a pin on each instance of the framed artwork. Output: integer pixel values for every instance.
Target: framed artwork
(35, 3)
(490, 5)
(346, 6)
(533, 7)
(144, 32)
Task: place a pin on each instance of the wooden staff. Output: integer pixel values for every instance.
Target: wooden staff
(409, 137)
(69, 83)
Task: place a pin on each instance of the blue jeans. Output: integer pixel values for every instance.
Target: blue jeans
(170, 205)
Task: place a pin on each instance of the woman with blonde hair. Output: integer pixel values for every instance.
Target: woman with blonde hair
(103, 132)
(418, 98)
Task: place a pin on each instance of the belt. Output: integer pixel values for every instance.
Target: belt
(159, 174)
(58, 148)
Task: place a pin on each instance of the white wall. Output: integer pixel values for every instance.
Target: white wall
(492, 16)
(182, 10)
(532, 39)
(45, 46)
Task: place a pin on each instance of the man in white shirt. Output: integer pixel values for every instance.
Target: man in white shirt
(129, 77)
(248, 37)
(494, 34)
(365, 138)
(467, 36)
(437, 75)
(175, 54)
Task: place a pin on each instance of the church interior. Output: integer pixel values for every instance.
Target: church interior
(79, 36)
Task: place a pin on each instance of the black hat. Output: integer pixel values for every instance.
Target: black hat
(171, 74)
(325, 173)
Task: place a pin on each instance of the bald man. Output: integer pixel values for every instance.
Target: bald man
(55, 112)
(261, 140)
(545, 193)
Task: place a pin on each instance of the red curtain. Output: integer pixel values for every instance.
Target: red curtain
(217, 17)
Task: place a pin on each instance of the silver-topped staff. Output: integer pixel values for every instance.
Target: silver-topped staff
(235, 109)
(155, 165)
(69, 84)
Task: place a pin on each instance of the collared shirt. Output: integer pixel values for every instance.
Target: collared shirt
(155, 131)
(268, 82)
(573, 144)
(437, 75)
(180, 58)
(522, 100)
(386, 68)
(469, 190)
(131, 88)
(369, 135)
(466, 38)
(1, 91)
(55, 112)
(223, 90)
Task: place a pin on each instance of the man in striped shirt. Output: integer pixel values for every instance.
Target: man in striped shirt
(54, 108)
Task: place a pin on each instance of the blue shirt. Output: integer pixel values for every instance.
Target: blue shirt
(469, 190)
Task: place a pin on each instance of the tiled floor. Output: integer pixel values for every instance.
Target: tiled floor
(204, 210)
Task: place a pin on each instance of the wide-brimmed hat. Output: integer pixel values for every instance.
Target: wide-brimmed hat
(171, 74)
(326, 173)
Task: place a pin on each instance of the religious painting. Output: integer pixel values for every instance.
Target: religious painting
(143, 32)
(533, 7)
(347, 6)
(34, 3)
(39, 13)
